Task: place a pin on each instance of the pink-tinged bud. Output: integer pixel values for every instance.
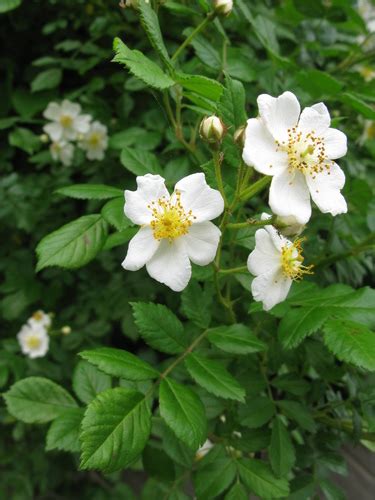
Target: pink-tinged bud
(223, 7)
(212, 129)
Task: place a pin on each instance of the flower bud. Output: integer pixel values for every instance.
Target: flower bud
(289, 226)
(239, 136)
(223, 7)
(212, 129)
(66, 330)
(44, 138)
(130, 3)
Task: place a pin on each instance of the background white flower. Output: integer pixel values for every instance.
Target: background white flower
(62, 151)
(67, 121)
(276, 262)
(204, 449)
(298, 151)
(40, 319)
(95, 141)
(175, 228)
(34, 341)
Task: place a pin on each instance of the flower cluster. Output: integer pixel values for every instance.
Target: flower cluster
(68, 126)
(297, 149)
(33, 336)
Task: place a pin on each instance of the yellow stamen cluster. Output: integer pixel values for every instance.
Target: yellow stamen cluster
(33, 342)
(169, 219)
(94, 139)
(66, 120)
(38, 316)
(292, 261)
(306, 152)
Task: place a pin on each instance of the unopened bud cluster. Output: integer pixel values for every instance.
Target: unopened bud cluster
(223, 7)
(212, 129)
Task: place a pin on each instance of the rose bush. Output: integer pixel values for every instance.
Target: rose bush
(229, 362)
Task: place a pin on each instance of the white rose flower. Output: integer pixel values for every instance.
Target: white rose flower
(95, 141)
(175, 228)
(34, 341)
(67, 121)
(40, 319)
(276, 262)
(62, 151)
(204, 449)
(298, 151)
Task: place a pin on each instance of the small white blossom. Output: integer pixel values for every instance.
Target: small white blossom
(62, 151)
(34, 341)
(40, 319)
(367, 73)
(298, 150)
(367, 10)
(204, 449)
(368, 133)
(175, 229)
(95, 141)
(276, 262)
(67, 122)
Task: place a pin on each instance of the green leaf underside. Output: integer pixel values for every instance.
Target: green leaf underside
(214, 377)
(90, 191)
(351, 342)
(36, 400)
(159, 327)
(63, 433)
(141, 66)
(259, 478)
(74, 244)
(120, 363)
(183, 412)
(236, 339)
(88, 381)
(113, 213)
(115, 429)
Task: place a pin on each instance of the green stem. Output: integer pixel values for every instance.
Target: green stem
(195, 32)
(251, 222)
(233, 270)
(345, 427)
(255, 188)
(218, 159)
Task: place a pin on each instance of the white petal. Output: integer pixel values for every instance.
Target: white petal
(289, 195)
(335, 143)
(279, 113)
(52, 112)
(260, 149)
(82, 123)
(170, 265)
(201, 242)
(315, 118)
(149, 188)
(71, 108)
(265, 256)
(66, 154)
(54, 130)
(196, 195)
(270, 288)
(325, 190)
(140, 250)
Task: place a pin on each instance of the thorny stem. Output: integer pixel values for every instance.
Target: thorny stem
(255, 188)
(195, 32)
(218, 159)
(252, 222)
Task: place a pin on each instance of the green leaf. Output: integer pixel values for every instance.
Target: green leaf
(135, 135)
(298, 324)
(119, 363)
(237, 492)
(7, 5)
(90, 191)
(139, 161)
(36, 400)
(259, 479)
(176, 449)
(236, 339)
(120, 238)
(24, 139)
(159, 327)
(63, 433)
(48, 79)
(281, 451)
(183, 412)
(88, 381)
(351, 342)
(150, 23)
(141, 67)
(358, 104)
(319, 83)
(257, 412)
(214, 478)
(113, 213)
(197, 304)
(201, 85)
(74, 244)
(231, 107)
(115, 429)
(299, 413)
(292, 383)
(213, 377)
